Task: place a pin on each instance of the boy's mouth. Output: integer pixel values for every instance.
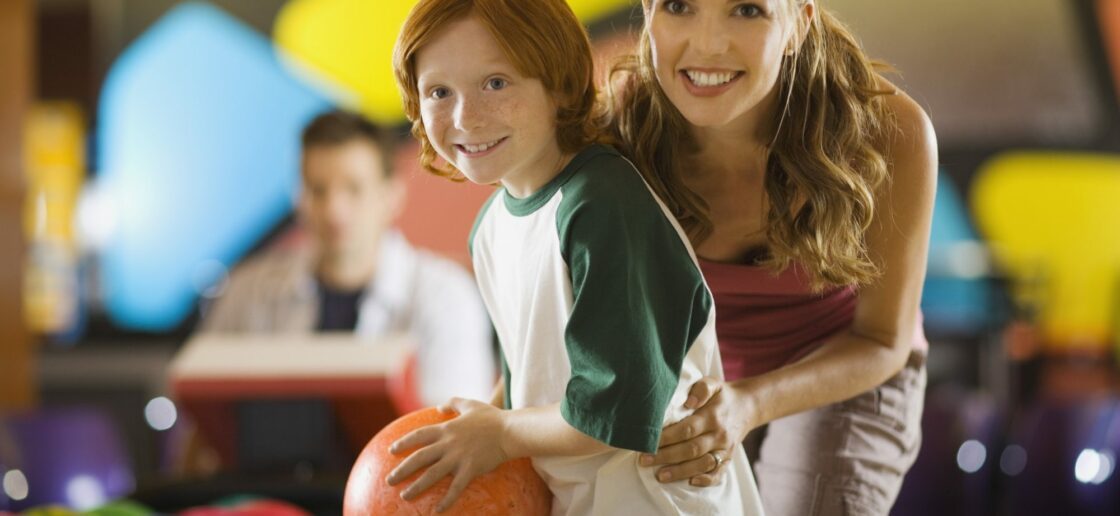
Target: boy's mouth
(474, 150)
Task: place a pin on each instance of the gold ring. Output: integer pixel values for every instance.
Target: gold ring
(719, 460)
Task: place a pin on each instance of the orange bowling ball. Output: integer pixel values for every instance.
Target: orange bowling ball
(514, 488)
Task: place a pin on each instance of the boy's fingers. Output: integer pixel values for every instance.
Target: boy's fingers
(461, 405)
(458, 484)
(414, 439)
(452, 405)
(434, 474)
(422, 458)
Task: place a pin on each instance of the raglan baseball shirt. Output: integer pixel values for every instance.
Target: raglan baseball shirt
(600, 306)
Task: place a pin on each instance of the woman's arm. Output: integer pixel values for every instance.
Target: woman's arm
(872, 350)
(481, 438)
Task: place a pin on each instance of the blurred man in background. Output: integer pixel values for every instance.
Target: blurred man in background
(356, 273)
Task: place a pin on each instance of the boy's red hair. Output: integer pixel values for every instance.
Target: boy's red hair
(542, 38)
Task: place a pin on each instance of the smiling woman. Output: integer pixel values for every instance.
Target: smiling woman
(805, 181)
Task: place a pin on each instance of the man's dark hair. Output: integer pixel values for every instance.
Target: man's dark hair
(338, 126)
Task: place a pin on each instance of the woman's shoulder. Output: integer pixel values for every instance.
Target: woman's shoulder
(912, 125)
(912, 142)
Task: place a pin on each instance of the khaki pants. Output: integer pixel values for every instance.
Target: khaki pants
(843, 459)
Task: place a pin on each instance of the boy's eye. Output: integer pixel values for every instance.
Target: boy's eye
(439, 92)
(674, 7)
(748, 11)
(496, 83)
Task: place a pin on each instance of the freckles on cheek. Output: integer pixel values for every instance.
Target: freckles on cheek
(503, 109)
(432, 128)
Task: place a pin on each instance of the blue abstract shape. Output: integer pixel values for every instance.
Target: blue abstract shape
(199, 129)
(951, 303)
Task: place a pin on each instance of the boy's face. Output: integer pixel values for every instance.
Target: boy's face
(482, 115)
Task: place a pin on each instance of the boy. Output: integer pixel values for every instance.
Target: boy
(603, 317)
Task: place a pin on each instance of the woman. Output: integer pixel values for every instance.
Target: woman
(806, 183)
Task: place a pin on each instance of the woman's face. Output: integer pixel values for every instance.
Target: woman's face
(718, 61)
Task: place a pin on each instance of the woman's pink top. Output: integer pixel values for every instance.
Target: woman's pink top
(766, 321)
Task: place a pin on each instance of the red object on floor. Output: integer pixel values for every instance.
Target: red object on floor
(514, 488)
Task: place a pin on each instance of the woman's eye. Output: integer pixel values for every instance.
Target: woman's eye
(674, 7)
(748, 11)
(496, 83)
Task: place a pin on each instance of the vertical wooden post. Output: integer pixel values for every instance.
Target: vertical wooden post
(1109, 13)
(16, 58)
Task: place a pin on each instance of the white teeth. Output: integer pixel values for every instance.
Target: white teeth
(473, 149)
(709, 79)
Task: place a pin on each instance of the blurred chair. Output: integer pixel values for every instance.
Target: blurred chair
(67, 456)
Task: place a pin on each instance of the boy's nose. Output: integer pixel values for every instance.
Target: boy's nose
(469, 115)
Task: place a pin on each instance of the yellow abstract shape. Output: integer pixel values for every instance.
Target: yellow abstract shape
(1052, 221)
(592, 10)
(55, 166)
(347, 45)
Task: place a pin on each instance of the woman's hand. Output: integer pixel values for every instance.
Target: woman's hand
(465, 447)
(719, 424)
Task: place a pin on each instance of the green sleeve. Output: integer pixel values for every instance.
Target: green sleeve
(639, 302)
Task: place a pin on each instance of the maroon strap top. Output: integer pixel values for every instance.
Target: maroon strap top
(766, 321)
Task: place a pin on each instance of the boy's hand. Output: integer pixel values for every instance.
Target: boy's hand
(465, 447)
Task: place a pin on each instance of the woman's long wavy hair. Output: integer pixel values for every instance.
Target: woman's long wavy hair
(825, 165)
